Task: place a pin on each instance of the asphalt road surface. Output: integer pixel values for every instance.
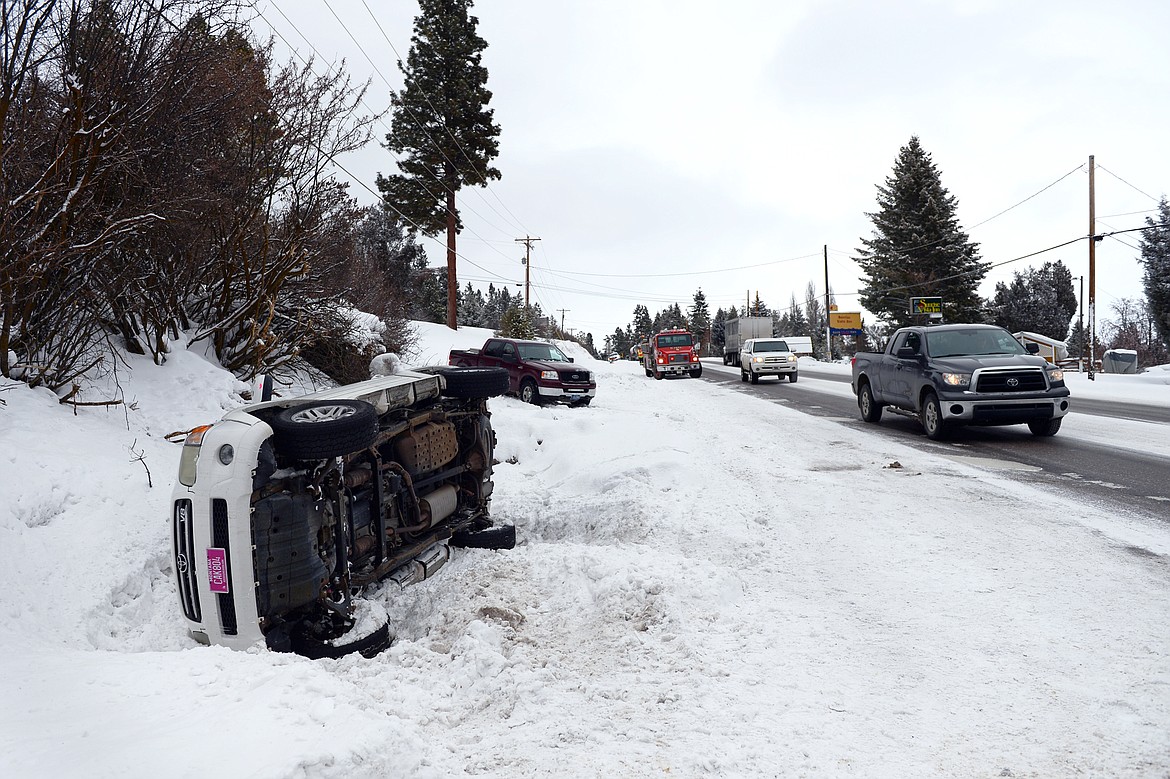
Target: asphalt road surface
(1107, 476)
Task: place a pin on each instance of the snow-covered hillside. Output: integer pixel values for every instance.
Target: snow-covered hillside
(692, 595)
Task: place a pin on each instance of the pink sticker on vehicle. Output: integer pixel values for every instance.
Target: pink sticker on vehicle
(217, 576)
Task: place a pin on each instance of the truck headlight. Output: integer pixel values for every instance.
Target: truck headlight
(1056, 377)
(757, 359)
(957, 379)
(190, 457)
(550, 375)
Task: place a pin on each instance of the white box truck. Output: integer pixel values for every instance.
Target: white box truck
(736, 331)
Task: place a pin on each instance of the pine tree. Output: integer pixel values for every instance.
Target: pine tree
(641, 326)
(1155, 247)
(918, 248)
(797, 323)
(814, 311)
(441, 126)
(1037, 301)
(517, 323)
(700, 318)
(471, 307)
(718, 333)
(758, 308)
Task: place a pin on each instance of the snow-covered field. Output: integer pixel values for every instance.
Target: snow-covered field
(707, 584)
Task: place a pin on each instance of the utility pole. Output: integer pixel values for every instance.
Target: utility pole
(527, 241)
(1081, 325)
(828, 324)
(563, 310)
(1092, 272)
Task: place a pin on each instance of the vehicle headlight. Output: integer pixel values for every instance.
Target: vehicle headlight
(1056, 377)
(189, 460)
(551, 375)
(957, 379)
(757, 359)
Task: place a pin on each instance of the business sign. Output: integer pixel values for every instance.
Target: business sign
(845, 323)
(849, 320)
(931, 307)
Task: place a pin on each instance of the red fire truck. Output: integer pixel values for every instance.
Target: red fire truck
(672, 353)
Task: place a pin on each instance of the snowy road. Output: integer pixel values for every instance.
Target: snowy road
(1117, 462)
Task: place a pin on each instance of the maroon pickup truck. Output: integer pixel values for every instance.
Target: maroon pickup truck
(538, 372)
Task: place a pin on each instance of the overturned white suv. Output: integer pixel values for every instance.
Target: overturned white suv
(285, 510)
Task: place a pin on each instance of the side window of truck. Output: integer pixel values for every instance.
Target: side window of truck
(911, 340)
(493, 348)
(509, 351)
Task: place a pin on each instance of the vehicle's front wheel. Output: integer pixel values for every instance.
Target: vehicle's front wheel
(755, 377)
(932, 419)
(792, 377)
(325, 429)
(659, 375)
(529, 393)
(696, 372)
(1045, 427)
(871, 410)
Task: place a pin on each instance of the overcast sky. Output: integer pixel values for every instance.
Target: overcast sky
(661, 146)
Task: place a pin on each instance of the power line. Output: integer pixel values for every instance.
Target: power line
(1126, 183)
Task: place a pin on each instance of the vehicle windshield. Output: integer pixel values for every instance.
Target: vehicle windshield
(973, 342)
(770, 346)
(680, 339)
(544, 352)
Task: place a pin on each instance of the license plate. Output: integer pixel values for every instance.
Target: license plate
(217, 578)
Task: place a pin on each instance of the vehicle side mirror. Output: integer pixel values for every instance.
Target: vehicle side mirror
(570, 359)
(907, 353)
(1032, 347)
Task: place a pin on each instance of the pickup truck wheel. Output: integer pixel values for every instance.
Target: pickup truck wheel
(792, 377)
(474, 383)
(931, 418)
(325, 429)
(529, 393)
(755, 377)
(742, 374)
(1045, 427)
(871, 410)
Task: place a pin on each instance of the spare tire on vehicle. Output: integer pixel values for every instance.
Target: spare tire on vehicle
(473, 383)
(324, 429)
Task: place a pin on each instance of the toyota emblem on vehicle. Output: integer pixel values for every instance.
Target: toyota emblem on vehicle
(1012, 382)
(181, 562)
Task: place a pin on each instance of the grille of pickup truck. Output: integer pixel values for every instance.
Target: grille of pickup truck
(183, 534)
(1027, 380)
(220, 538)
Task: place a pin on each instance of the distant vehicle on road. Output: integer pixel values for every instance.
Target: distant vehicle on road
(672, 353)
(737, 331)
(767, 357)
(950, 375)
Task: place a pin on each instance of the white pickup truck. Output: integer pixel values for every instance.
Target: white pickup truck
(766, 357)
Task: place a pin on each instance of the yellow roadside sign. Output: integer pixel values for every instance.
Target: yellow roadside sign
(845, 320)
